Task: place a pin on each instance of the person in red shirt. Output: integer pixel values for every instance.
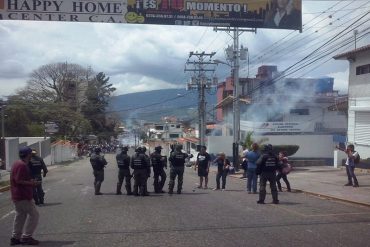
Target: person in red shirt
(21, 187)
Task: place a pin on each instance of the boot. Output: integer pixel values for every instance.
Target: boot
(97, 189)
(128, 190)
(356, 183)
(118, 191)
(136, 192)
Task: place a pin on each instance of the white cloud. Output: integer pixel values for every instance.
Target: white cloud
(147, 57)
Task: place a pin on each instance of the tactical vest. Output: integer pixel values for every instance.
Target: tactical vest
(270, 163)
(178, 159)
(97, 162)
(123, 161)
(139, 162)
(35, 165)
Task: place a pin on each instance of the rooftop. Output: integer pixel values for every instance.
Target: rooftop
(352, 53)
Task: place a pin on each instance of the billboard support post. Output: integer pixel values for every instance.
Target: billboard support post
(236, 90)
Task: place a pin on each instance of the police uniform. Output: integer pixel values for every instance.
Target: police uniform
(158, 162)
(123, 162)
(140, 165)
(177, 160)
(98, 164)
(36, 165)
(148, 172)
(268, 165)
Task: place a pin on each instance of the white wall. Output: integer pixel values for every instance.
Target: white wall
(359, 99)
(217, 144)
(310, 146)
(359, 85)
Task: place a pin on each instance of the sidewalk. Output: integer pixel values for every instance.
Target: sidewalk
(328, 182)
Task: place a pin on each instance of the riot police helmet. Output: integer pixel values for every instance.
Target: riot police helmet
(143, 149)
(179, 147)
(267, 148)
(158, 148)
(124, 149)
(97, 150)
(138, 150)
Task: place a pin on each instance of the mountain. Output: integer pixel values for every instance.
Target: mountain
(150, 106)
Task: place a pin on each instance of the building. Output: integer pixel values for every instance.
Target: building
(166, 131)
(358, 132)
(286, 111)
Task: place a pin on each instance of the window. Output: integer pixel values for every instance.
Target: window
(299, 112)
(363, 69)
(160, 127)
(178, 126)
(174, 135)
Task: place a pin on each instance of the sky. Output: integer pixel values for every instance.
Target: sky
(149, 57)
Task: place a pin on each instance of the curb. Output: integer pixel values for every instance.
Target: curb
(323, 196)
(5, 188)
(332, 197)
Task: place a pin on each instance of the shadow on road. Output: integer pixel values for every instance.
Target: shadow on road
(51, 204)
(56, 243)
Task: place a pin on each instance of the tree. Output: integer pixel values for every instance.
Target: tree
(98, 94)
(54, 82)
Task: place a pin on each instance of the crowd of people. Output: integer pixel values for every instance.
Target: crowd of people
(27, 173)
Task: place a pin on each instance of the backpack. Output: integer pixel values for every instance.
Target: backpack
(287, 169)
(357, 158)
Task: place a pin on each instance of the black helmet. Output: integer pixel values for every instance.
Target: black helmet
(179, 147)
(138, 150)
(97, 150)
(143, 149)
(158, 148)
(267, 148)
(124, 149)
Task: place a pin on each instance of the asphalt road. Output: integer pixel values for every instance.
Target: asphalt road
(74, 216)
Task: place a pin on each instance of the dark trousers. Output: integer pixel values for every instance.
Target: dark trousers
(140, 178)
(124, 174)
(351, 175)
(176, 172)
(285, 178)
(220, 175)
(271, 178)
(38, 192)
(99, 178)
(159, 180)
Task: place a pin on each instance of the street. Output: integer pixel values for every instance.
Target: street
(74, 216)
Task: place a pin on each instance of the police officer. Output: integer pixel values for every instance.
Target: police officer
(147, 170)
(177, 161)
(140, 165)
(158, 162)
(123, 162)
(267, 165)
(37, 164)
(98, 164)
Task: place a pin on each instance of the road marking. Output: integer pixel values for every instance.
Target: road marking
(7, 215)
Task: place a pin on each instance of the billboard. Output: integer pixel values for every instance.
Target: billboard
(279, 14)
(277, 127)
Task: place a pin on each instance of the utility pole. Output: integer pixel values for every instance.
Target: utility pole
(2, 120)
(234, 55)
(200, 81)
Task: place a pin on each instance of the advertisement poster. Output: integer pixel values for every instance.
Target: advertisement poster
(276, 14)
